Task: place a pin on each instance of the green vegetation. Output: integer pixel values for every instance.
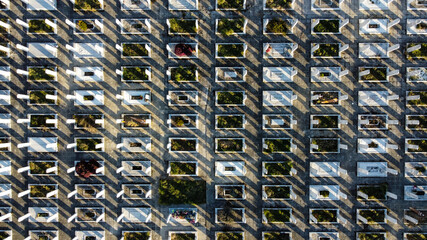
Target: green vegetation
(136, 235)
(327, 26)
(40, 26)
(422, 145)
(4, 140)
(39, 121)
(229, 145)
(416, 236)
(229, 236)
(326, 121)
(135, 74)
(375, 74)
(39, 74)
(178, 121)
(235, 192)
(183, 168)
(230, 4)
(233, 98)
(420, 102)
(183, 236)
(235, 121)
(325, 216)
(327, 50)
(277, 145)
(277, 215)
(87, 121)
(229, 215)
(4, 235)
(278, 192)
(178, 145)
(39, 167)
(278, 168)
(371, 236)
(278, 4)
(324, 193)
(88, 144)
(326, 98)
(182, 192)
(182, 26)
(4, 53)
(229, 26)
(373, 215)
(135, 121)
(231, 50)
(420, 53)
(375, 192)
(278, 26)
(39, 97)
(134, 50)
(41, 191)
(420, 169)
(277, 236)
(184, 74)
(87, 5)
(325, 145)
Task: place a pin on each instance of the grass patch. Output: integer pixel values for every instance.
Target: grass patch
(230, 145)
(373, 215)
(182, 26)
(375, 74)
(371, 236)
(376, 192)
(230, 121)
(87, 121)
(277, 215)
(278, 168)
(229, 26)
(229, 215)
(232, 98)
(41, 167)
(184, 74)
(39, 121)
(179, 145)
(277, 26)
(39, 97)
(87, 5)
(136, 235)
(277, 145)
(422, 119)
(41, 191)
(183, 236)
(327, 26)
(277, 236)
(420, 53)
(283, 192)
(135, 50)
(422, 145)
(235, 192)
(39, 74)
(229, 236)
(182, 192)
(40, 26)
(230, 4)
(327, 50)
(135, 121)
(325, 145)
(326, 122)
(231, 50)
(135, 74)
(416, 236)
(420, 102)
(183, 168)
(326, 98)
(278, 4)
(88, 144)
(325, 216)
